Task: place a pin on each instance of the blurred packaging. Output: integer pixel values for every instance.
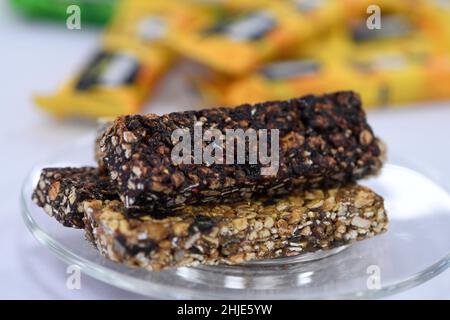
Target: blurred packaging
(265, 50)
(121, 75)
(404, 61)
(238, 38)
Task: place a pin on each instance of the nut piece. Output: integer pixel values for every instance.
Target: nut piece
(129, 137)
(240, 224)
(363, 199)
(54, 190)
(180, 228)
(360, 222)
(268, 223)
(365, 137)
(156, 231)
(306, 231)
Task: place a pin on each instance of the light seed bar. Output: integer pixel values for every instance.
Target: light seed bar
(304, 221)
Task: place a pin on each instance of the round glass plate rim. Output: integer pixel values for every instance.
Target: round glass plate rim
(131, 284)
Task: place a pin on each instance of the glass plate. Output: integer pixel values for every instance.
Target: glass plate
(415, 249)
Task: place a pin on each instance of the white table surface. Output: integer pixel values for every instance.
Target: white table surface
(35, 57)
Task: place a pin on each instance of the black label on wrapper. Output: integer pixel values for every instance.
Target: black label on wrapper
(108, 69)
(250, 27)
(290, 69)
(392, 27)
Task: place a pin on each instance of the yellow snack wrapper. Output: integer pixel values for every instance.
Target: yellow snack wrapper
(237, 38)
(396, 77)
(287, 78)
(401, 62)
(384, 74)
(120, 76)
(359, 8)
(308, 69)
(113, 83)
(436, 20)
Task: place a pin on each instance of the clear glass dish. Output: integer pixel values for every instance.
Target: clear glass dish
(415, 249)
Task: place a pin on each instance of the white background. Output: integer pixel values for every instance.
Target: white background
(36, 57)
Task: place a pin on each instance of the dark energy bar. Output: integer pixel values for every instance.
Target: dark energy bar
(324, 141)
(62, 191)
